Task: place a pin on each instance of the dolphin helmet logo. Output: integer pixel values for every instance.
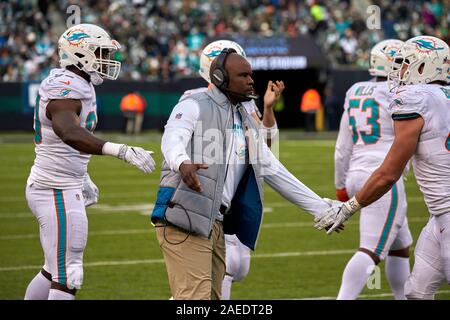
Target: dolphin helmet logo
(76, 37)
(214, 52)
(426, 45)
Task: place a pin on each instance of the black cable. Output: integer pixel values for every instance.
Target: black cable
(167, 223)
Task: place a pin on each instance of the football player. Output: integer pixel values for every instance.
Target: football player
(64, 119)
(366, 133)
(420, 108)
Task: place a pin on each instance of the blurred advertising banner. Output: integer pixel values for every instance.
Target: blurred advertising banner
(280, 53)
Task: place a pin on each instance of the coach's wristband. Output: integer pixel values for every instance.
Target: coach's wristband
(112, 149)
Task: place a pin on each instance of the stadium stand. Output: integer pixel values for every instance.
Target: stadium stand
(162, 39)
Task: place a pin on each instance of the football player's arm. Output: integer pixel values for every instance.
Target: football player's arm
(64, 115)
(342, 155)
(407, 133)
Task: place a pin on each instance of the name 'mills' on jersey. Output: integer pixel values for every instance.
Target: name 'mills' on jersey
(369, 123)
(431, 160)
(58, 165)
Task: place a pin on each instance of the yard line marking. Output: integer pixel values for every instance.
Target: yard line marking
(364, 296)
(160, 261)
(150, 230)
(93, 233)
(145, 208)
(117, 195)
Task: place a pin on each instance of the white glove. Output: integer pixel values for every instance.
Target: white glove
(138, 157)
(337, 215)
(90, 191)
(325, 219)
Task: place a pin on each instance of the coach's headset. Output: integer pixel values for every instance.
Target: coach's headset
(220, 78)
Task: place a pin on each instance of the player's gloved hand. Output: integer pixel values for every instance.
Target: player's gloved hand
(341, 195)
(90, 191)
(333, 218)
(137, 156)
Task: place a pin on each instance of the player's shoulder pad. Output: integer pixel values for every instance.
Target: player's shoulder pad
(357, 85)
(409, 102)
(62, 84)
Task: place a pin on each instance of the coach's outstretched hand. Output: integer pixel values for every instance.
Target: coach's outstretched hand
(138, 157)
(188, 172)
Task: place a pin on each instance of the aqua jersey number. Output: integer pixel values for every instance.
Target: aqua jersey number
(367, 137)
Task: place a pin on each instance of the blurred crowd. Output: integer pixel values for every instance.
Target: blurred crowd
(162, 39)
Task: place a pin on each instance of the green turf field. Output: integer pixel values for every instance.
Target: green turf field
(123, 260)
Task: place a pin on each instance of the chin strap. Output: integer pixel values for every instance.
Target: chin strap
(96, 79)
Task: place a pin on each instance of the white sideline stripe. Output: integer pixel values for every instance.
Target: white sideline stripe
(366, 296)
(143, 231)
(150, 193)
(115, 195)
(108, 209)
(93, 233)
(158, 261)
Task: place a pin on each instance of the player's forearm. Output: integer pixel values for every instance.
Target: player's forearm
(380, 182)
(82, 140)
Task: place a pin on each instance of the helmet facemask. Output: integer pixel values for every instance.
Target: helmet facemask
(106, 67)
(420, 60)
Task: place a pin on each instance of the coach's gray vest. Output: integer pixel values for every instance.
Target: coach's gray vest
(196, 212)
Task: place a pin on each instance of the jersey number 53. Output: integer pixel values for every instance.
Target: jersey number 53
(367, 137)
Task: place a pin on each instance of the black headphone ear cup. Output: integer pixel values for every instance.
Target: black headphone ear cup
(217, 78)
(218, 75)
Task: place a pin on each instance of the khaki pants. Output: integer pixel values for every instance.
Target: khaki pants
(195, 267)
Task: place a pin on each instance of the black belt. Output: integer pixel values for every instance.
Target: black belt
(223, 209)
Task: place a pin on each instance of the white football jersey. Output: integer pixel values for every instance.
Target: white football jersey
(431, 159)
(366, 132)
(57, 165)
